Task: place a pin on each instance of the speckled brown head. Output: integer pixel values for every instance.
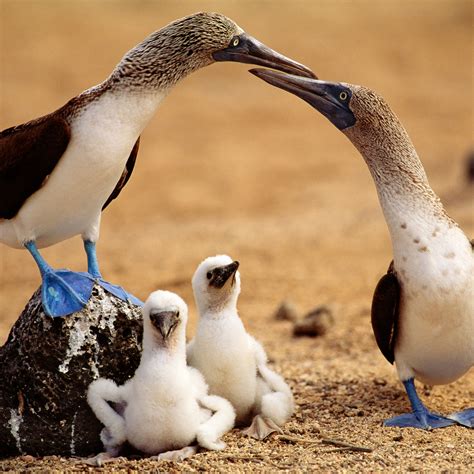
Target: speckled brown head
(188, 44)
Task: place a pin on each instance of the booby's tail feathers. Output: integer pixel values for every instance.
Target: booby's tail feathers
(209, 433)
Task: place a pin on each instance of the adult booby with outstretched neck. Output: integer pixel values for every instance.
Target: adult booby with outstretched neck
(423, 308)
(58, 172)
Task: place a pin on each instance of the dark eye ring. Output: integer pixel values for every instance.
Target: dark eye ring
(343, 95)
(208, 275)
(235, 42)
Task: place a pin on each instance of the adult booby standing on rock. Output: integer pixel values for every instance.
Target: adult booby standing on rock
(233, 363)
(423, 308)
(58, 172)
(165, 406)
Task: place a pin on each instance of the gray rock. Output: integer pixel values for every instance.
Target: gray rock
(46, 366)
(315, 323)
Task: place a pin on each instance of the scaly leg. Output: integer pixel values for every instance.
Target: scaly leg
(93, 270)
(63, 292)
(420, 417)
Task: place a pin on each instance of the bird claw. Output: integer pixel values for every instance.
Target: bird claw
(261, 428)
(119, 292)
(177, 455)
(101, 459)
(463, 418)
(424, 420)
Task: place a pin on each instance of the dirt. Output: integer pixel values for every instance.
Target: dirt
(231, 165)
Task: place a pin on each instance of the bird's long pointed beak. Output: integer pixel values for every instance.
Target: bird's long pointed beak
(300, 86)
(251, 51)
(320, 94)
(221, 275)
(165, 322)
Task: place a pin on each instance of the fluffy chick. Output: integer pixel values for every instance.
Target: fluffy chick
(233, 363)
(165, 407)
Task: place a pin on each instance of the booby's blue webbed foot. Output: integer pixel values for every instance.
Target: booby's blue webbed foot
(423, 420)
(93, 270)
(420, 417)
(62, 292)
(119, 292)
(464, 418)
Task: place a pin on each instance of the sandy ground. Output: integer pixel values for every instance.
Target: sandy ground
(230, 165)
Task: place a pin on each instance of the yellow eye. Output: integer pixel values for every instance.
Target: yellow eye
(235, 42)
(343, 95)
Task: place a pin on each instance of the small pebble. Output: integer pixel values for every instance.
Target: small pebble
(286, 312)
(316, 323)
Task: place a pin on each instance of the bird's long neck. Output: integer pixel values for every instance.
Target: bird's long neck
(402, 186)
(156, 64)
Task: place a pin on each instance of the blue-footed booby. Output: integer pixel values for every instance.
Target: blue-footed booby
(233, 363)
(165, 406)
(58, 172)
(423, 308)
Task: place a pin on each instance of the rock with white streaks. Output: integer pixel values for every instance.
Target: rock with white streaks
(46, 366)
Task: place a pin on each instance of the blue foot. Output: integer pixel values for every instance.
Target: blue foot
(119, 292)
(464, 418)
(420, 417)
(64, 292)
(424, 420)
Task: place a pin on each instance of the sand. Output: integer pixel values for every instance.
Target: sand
(231, 165)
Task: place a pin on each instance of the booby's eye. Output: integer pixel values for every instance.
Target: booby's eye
(208, 275)
(235, 42)
(343, 95)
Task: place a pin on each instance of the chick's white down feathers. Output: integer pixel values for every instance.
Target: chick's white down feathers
(165, 405)
(233, 363)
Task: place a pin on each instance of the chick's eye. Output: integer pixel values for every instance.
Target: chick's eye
(209, 275)
(235, 42)
(343, 95)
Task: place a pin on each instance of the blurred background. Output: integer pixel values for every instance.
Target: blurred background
(232, 165)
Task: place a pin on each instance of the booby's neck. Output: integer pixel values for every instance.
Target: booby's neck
(119, 109)
(402, 185)
(172, 351)
(157, 63)
(219, 312)
(140, 81)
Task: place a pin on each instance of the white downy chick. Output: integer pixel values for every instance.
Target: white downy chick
(233, 363)
(166, 403)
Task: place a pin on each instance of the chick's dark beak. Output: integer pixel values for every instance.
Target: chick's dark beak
(251, 51)
(164, 321)
(220, 275)
(322, 95)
